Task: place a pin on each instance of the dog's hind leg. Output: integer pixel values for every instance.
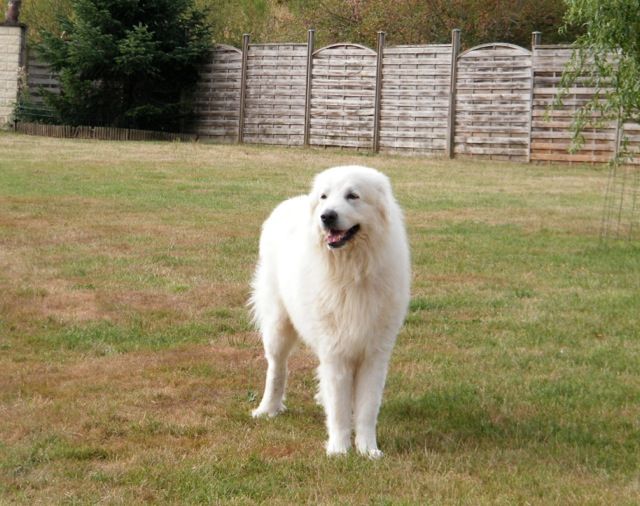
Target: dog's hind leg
(278, 337)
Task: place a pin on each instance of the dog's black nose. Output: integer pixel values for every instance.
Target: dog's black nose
(329, 218)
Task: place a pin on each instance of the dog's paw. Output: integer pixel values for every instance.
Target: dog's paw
(368, 448)
(374, 454)
(269, 411)
(336, 448)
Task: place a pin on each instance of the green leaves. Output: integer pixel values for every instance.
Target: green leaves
(607, 57)
(126, 63)
(137, 51)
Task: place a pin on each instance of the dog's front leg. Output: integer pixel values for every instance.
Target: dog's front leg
(369, 385)
(336, 384)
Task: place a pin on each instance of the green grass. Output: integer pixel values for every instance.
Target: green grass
(128, 365)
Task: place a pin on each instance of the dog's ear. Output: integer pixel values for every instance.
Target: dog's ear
(383, 199)
(314, 191)
(312, 203)
(312, 199)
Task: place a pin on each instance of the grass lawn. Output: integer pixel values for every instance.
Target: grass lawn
(128, 366)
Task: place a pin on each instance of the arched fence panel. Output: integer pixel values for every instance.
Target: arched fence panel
(343, 96)
(217, 95)
(415, 98)
(551, 127)
(275, 94)
(493, 102)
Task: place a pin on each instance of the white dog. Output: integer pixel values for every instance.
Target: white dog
(334, 272)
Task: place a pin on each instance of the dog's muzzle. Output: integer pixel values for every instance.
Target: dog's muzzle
(338, 238)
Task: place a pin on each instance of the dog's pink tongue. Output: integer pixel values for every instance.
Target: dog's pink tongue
(335, 235)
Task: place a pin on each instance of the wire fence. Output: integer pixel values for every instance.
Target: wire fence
(34, 113)
(621, 212)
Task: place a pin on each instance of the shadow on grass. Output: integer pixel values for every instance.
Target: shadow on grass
(462, 418)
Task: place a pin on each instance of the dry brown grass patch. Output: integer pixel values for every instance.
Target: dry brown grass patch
(183, 387)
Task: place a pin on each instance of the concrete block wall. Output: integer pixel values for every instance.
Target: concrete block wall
(12, 50)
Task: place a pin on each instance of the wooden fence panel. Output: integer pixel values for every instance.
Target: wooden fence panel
(415, 98)
(217, 96)
(275, 94)
(551, 127)
(40, 77)
(501, 101)
(343, 96)
(631, 137)
(493, 101)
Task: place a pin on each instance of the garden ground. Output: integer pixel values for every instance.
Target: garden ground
(128, 365)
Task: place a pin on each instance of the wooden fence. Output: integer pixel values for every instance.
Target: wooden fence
(101, 133)
(414, 98)
(493, 102)
(40, 77)
(490, 101)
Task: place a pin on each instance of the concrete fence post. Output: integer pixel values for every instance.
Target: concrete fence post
(451, 117)
(378, 95)
(243, 86)
(307, 96)
(536, 39)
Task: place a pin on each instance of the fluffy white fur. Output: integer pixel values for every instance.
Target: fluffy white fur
(346, 303)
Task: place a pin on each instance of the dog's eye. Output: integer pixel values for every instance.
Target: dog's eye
(323, 196)
(352, 196)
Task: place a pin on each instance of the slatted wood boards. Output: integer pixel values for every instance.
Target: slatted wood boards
(493, 100)
(551, 128)
(275, 94)
(343, 96)
(217, 96)
(40, 77)
(631, 134)
(414, 103)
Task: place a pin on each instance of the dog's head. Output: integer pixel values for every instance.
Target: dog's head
(350, 203)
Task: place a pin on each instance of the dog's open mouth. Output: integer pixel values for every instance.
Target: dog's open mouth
(338, 238)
